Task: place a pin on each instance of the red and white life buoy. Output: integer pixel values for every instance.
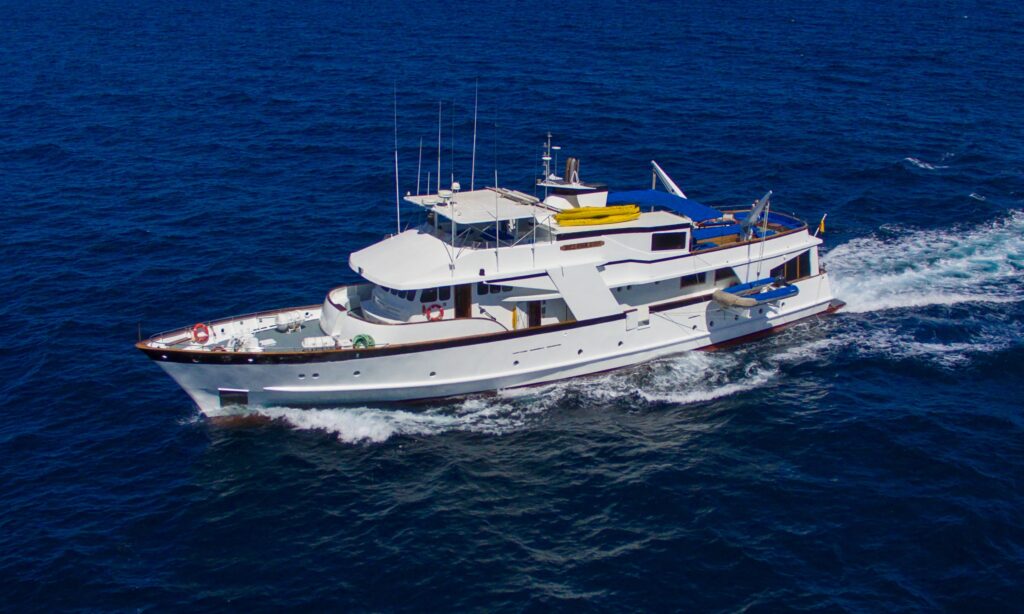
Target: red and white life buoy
(434, 312)
(200, 333)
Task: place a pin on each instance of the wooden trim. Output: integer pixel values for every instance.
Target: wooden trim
(586, 245)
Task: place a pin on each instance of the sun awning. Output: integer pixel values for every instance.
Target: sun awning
(688, 207)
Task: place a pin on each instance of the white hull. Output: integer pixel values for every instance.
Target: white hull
(524, 358)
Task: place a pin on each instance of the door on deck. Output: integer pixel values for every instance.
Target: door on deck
(464, 301)
(533, 313)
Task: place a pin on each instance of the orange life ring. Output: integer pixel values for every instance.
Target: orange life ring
(433, 315)
(200, 333)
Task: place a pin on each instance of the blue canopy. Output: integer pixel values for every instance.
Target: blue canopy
(690, 208)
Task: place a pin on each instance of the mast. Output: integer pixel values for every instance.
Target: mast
(438, 148)
(419, 169)
(451, 152)
(472, 172)
(398, 209)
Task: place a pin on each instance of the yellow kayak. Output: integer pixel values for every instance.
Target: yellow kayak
(593, 221)
(595, 212)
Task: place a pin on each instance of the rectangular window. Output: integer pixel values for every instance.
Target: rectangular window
(444, 293)
(482, 289)
(668, 240)
(726, 274)
(429, 295)
(794, 268)
(692, 280)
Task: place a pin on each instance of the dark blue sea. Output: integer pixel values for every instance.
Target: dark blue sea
(166, 163)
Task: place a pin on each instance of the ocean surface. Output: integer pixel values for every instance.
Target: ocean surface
(166, 163)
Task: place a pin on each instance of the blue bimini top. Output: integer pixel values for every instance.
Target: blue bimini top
(690, 208)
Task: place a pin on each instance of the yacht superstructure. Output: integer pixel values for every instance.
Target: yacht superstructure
(500, 289)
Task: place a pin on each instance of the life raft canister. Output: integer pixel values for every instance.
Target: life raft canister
(200, 333)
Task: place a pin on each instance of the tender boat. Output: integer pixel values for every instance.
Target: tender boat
(499, 289)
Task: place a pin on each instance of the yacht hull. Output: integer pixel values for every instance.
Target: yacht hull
(487, 362)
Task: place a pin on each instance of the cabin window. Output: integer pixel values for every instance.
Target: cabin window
(794, 268)
(726, 274)
(668, 240)
(444, 293)
(482, 289)
(692, 280)
(429, 295)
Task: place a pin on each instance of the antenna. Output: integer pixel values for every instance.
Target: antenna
(438, 148)
(547, 158)
(451, 152)
(398, 209)
(419, 169)
(476, 104)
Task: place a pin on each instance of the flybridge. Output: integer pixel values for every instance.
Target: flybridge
(482, 206)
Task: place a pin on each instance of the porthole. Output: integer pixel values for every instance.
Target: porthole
(316, 375)
(355, 373)
(735, 317)
(302, 376)
(433, 373)
(620, 344)
(515, 363)
(760, 310)
(694, 327)
(712, 323)
(164, 356)
(250, 360)
(579, 352)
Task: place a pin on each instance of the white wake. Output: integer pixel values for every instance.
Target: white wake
(915, 268)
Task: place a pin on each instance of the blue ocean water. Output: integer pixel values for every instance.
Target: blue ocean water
(162, 164)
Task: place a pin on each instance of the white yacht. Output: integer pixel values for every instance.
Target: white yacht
(499, 289)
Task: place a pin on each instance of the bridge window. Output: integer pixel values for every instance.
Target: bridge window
(432, 295)
(668, 240)
(482, 289)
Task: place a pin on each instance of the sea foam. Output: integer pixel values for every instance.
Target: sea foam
(915, 268)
